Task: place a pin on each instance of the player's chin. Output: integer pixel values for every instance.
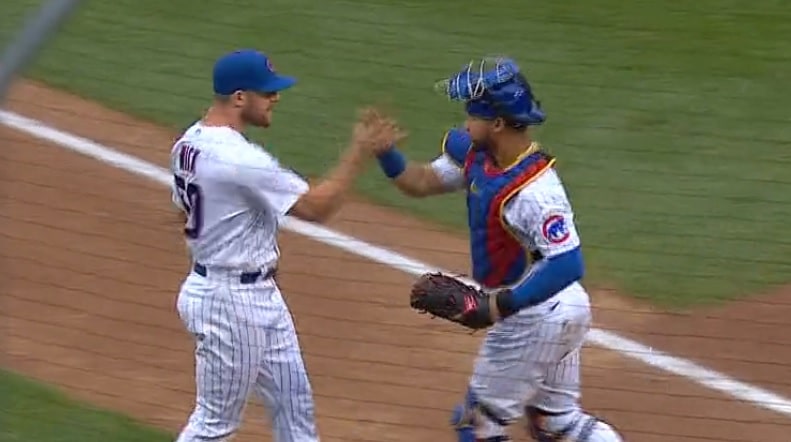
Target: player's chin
(479, 144)
(264, 122)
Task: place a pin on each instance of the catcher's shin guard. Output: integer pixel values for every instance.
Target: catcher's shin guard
(462, 420)
(575, 426)
(468, 416)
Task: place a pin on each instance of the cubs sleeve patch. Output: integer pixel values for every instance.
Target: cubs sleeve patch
(555, 229)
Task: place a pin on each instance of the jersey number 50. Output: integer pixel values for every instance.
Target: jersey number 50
(190, 196)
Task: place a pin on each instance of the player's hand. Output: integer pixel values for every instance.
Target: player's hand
(449, 298)
(375, 132)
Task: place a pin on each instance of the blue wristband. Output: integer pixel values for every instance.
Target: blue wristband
(392, 162)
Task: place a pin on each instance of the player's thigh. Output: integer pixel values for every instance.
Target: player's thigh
(224, 378)
(228, 351)
(283, 376)
(511, 364)
(559, 391)
(560, 388)
(284, 385)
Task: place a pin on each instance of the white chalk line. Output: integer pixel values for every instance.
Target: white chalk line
(712, 379)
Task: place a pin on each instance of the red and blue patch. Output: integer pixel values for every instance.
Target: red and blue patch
(555, 230)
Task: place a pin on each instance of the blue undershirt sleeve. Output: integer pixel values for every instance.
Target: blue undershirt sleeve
(547, 278)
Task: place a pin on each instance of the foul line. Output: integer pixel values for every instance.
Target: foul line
(714, 380)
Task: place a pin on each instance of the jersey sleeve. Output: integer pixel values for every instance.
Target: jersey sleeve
(456, 143)
(449, 165)
(174, 195)
(449, 174)
(269, 184)
(542, 218)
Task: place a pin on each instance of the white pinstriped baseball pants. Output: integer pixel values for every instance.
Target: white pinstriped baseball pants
(533, 358)
(245, 343)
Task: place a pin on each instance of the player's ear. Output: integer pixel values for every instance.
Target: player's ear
(238, 98)
(498, 124)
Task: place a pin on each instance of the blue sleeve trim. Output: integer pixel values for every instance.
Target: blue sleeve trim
(550, 277)
(455, 144)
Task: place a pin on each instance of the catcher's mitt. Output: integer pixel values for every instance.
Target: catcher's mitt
(449, 298)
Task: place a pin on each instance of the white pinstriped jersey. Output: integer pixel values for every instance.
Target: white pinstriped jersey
(234, 194)
(540, 214)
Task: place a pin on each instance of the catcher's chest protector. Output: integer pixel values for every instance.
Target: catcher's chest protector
(498, 258)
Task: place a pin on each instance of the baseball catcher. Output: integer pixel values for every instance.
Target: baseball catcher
(526, 262)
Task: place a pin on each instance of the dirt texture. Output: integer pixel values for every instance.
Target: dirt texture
(92, 259)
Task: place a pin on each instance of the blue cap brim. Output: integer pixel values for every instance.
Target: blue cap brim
(277, 83)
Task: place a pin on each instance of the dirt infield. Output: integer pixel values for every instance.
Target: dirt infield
(92, 260)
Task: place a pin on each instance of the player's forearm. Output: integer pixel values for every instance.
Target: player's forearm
(551, 277)
(411, 178)
(325, 198)
(413, 181)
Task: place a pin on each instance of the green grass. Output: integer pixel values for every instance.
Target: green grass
(670, 118)
(12, 18)
(30, 412)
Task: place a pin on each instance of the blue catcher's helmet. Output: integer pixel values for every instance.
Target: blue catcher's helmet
(495, 87)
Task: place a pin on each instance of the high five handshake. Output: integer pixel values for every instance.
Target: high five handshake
(372, 134)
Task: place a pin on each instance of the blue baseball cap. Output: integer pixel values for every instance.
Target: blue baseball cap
(247, 70)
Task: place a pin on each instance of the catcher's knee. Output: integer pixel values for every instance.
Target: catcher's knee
(471, 415)
(574, 426)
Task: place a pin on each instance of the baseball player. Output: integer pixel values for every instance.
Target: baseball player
(233, 194)
(525, 256)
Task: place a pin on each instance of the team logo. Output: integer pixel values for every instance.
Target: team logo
(269, 64)
(555, 229)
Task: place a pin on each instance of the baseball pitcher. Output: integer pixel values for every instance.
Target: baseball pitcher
(233, 194)
(526, 257)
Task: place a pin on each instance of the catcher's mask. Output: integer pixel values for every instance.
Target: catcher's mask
(494, 88)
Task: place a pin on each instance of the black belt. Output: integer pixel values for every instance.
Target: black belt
(244, 278)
